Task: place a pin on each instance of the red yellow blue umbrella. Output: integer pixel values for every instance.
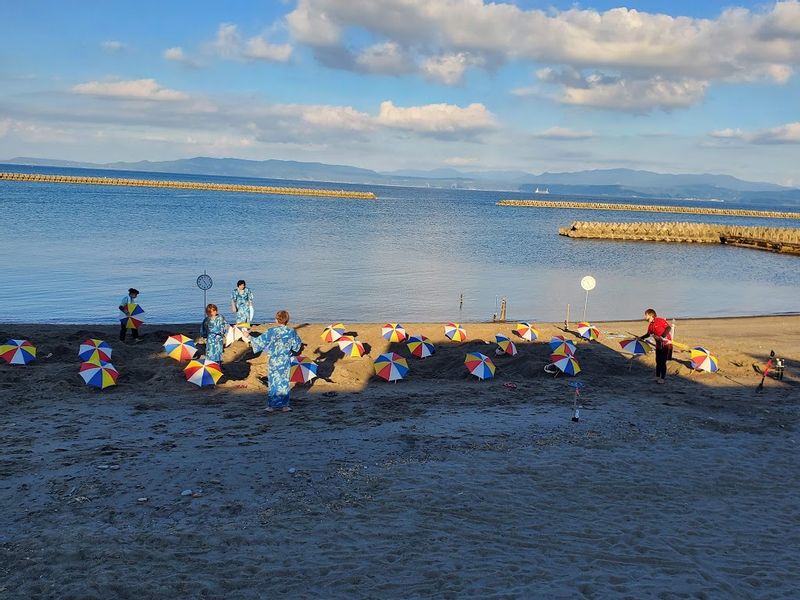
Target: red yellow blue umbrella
(333, 332)
(302, 369)
(202, 372)
(420, 346)
(561, 345)
(180, 347)
(505, 345)
(393, 332)
(100, 375)
(566, 363)
(18, 352)
(94, 351)
(588, 331)
(351, 346)
(634, 347)
(455, 332)
(131, 316)
(526, 331)
(479, 365)
(702, 360)
(391, 366)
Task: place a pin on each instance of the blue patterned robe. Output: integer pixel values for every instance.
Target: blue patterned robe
(279, 342)
(243, 301)
(214, 331)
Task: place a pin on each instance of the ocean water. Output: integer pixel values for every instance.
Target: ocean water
(71, 251)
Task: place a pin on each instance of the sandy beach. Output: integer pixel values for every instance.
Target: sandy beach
(437, 486)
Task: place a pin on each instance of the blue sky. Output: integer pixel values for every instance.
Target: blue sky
(393, 84)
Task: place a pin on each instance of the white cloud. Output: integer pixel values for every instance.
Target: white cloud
(337, 117)
(444, 120)
(137, 89)
(680, 56)
(637, 95)
(177, 55)
(461, 161)
(113, 46)
(789, 133)
(563, 133)
(229, 44)
(385, 58)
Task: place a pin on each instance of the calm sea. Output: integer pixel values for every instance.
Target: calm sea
(71, 251)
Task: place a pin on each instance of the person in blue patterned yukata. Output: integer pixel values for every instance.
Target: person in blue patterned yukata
(242, 302)
(214, 328)
(280, 343)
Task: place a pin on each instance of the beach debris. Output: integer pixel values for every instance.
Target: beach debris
(302, 369)
(455, 332)
(561, 345)
(131, 315)
(100, 375)
(102, 467)
(180, 347)
(588, 331)
(566, 364)
(420, 346)
(186, 492)
(18, 352)
(203, 372)
(391, 366)
(292, 470)
(143, 499)
(94, 351)
(526, 331)
(702, 360)
(351, 346)
(480, 365)
(333, 332)
(393, 332)
(505, 345)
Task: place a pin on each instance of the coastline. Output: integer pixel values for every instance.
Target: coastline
(438, 485)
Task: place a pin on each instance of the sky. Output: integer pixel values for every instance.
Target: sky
(667, 86)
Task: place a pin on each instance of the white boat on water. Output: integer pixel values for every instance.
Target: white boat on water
(542, 191)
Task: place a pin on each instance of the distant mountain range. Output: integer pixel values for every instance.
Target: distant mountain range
(603, 182)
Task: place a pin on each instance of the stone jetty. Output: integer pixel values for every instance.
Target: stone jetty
(774, 239)
(186, 185)
(694, 210)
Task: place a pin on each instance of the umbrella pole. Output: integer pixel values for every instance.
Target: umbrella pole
(566, 323)
(585, 305)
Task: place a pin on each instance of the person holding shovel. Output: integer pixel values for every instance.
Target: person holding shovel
(661, 331)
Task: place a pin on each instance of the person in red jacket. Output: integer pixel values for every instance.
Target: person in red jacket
(661, 331)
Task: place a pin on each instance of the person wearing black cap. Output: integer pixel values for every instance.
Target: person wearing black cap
(129, 299)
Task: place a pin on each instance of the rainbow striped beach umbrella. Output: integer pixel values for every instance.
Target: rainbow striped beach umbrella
(526, 331)
(333, 332)
(420, 346)
(566, 363)
(100, 375)
(455, 332)
(391, 366)
(131, 316)
(18, 352)
(302, 369)
(561, 345)
(202, 372)
(94, 351)
(351, 346)
(702, 360)
(393, 332)
(634, 347)
(480, 365)
(588, 331)
(505, 344)
(180, 347)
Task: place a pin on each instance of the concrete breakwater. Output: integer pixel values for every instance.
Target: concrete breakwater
(775, 239)
(187, 185)
(695, 210)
